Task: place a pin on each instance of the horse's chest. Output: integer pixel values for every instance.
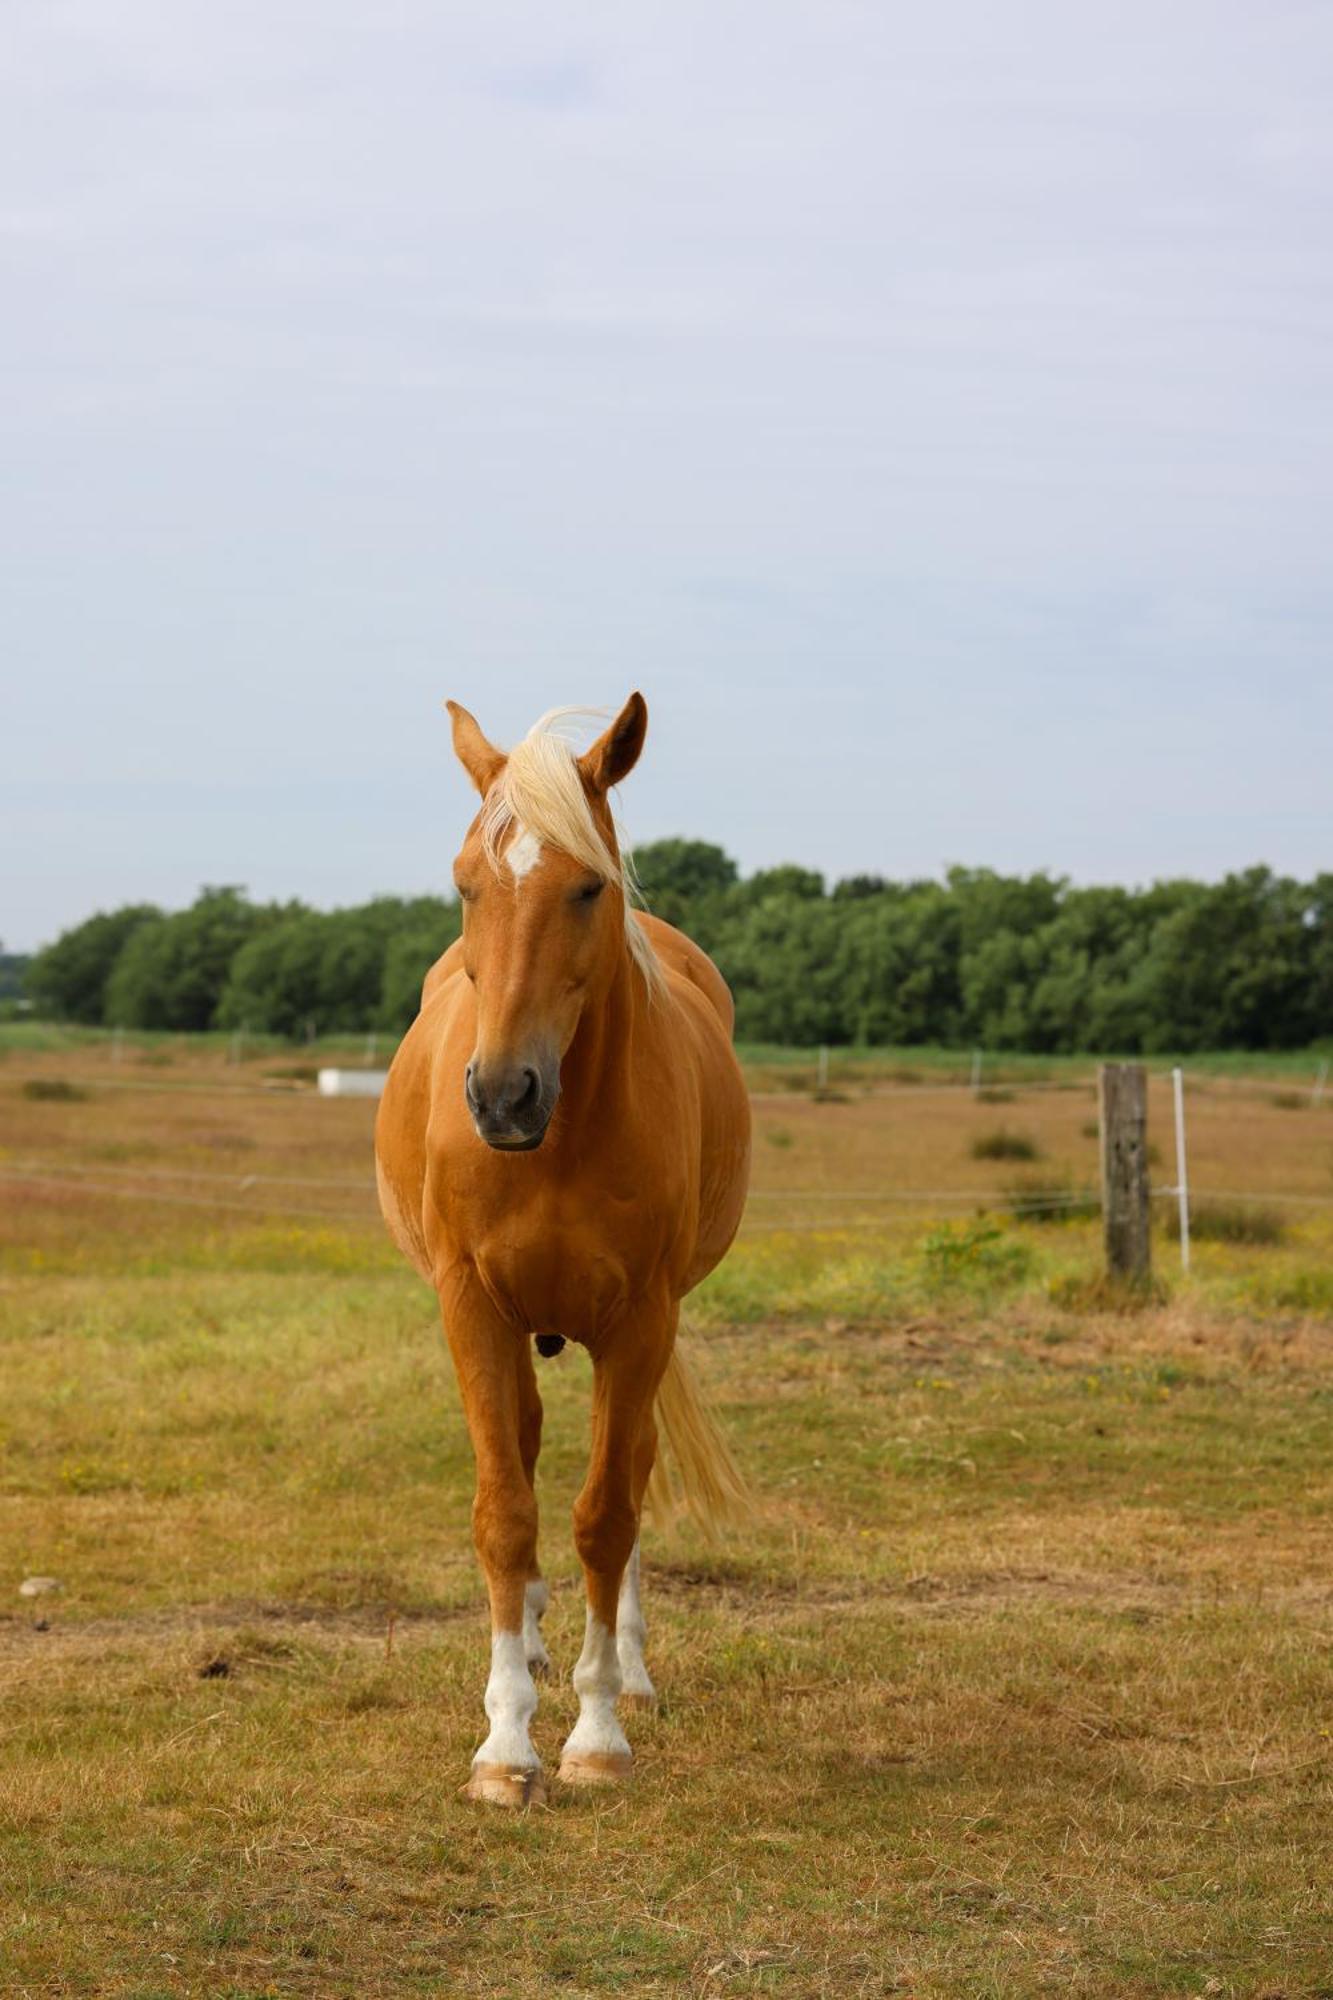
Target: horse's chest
(569, 1280)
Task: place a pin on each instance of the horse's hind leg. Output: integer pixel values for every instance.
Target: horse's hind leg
(535, 1593)
(506, 1769)
(636, 1687)
(606, 1527)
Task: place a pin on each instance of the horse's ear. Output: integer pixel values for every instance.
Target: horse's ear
(614, 755)
(478, 756)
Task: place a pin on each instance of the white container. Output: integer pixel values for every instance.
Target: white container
(352, 1082)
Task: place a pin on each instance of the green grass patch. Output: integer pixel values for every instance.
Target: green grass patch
(978, 1257)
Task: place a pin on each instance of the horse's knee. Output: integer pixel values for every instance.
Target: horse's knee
(504, 1526)
(605, 1529)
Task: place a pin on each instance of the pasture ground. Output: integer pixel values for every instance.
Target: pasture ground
(1018, 1684)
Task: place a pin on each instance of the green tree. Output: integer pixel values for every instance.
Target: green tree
(68, 979)
(412, 952)
(786, 880)
(1003, 961)
(895, 961)
(1233, 966)
(1319, 919)
(683, 880)
(327, 970)
(274, 982)
(777, 957)
(13, 974)
(172, 970)
(856, 888)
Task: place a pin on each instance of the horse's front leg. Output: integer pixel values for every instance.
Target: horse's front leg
(626, 1374)
(488, 1356)
(536, 1595)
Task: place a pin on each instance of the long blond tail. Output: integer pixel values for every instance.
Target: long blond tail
(704, 1480)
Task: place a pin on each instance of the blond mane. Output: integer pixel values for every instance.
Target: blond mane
(540, 791)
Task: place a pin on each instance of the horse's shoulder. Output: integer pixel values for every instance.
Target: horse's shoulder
(687, 960)
(446, 965)
(435, 1019)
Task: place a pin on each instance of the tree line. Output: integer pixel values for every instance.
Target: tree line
(979, 959)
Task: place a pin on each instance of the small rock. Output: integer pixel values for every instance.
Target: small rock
(215, 1670)
(38, 1586)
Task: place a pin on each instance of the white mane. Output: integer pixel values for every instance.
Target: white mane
(540, 792)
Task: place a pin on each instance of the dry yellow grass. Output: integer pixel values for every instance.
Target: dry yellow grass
(1018, 1685)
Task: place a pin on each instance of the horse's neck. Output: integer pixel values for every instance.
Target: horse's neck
(596, 1064)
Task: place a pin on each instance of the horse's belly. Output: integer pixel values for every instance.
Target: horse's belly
(724, 1175)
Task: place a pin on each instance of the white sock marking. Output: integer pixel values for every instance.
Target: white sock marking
(597, 1683)
(511, 1703)
(535, 1599)
(523, 853)
(631, 1633)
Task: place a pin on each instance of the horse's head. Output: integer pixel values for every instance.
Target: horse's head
(545, 910)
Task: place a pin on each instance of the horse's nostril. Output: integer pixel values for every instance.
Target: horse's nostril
(513, 1097)
(527, 1098)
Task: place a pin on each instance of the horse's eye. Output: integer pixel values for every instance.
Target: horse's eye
(589, 892)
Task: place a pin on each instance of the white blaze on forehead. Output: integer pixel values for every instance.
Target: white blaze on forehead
(523, 853)
(540, 791)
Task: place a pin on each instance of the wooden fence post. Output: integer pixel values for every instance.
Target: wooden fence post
(1122, 1103)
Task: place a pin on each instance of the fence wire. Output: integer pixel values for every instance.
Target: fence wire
(117, 1183)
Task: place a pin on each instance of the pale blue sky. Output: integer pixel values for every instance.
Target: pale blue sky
(930, 409)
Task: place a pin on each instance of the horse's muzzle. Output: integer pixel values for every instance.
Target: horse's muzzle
(511, 1104)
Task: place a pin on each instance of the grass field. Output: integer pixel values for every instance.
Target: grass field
(1018, 1684)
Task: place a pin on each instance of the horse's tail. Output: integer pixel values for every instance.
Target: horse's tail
(704, 1479)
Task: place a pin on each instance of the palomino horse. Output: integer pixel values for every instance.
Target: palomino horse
(562, 1150)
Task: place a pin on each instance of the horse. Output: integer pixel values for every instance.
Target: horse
(562, 1150)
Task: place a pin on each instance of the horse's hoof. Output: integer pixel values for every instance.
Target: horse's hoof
(645, 1703)
(540, 1668)
(506, 1785)
(596, 1767)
